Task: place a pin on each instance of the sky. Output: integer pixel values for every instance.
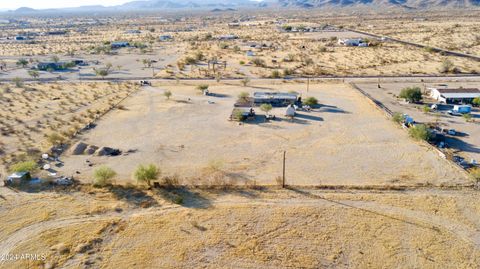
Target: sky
(42, 4)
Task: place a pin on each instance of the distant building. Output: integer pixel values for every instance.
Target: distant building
(454, 96)
(119, 44)
(227, 37)
(165, 38)
(45, 66)
(57, 32)
(275, 98)
(133, 32)
(353, 42)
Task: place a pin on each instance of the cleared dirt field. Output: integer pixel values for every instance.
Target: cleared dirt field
(190, 136)
(113, 228)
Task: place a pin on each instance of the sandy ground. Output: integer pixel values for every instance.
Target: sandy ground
(242, 229)
(345, 141)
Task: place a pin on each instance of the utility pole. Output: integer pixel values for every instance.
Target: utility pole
(283, 178)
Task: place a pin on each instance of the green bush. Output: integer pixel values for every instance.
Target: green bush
(27, 166)
(103, 176)
(147, 173)
(397, 117)
(311, 101)
(420, 132)
(202, 87)
(411, 94)
(467, 117)
(275, 74)
(266, 108)
(243, 96)
(476, 101)
(426, 109)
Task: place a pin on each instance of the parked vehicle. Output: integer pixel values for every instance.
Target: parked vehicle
(460, 109)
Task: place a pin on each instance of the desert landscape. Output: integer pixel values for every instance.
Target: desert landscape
(273, 134)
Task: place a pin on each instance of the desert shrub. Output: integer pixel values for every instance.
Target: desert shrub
(202, 87)
(420, 132)
(475, 172)
(55, 139)
(147, 173)
(266, 108)
(199, 56)
(243, 96)
(467, 117)
(397, 117)
(190, 60)
(426, 109)
(311, 101)
(258, 62)
(245, 81)
(288, 72)
(103, 176)
(242, 62)
(26, 166)
(18, 82)
(411, 94)
(167, 94)
(447, 67)
(275, 74)
(429, 49)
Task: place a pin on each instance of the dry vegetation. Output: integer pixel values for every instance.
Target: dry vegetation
(35, 117)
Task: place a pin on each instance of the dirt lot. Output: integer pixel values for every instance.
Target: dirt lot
(120, 228)
(468, 140)
(190, 136)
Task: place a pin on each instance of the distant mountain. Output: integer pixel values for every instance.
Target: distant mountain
(415, 4)
(24, 10)
(232, 5)
(175, 4)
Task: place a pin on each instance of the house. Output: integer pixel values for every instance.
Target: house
(227, 37)
(17, 178)
(454, 96)
(133, 32)
(45, 66)
(275, 98)
(165, 38)
(119, 44)
(353, 42)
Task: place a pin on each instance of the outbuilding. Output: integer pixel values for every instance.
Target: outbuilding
(454, 95)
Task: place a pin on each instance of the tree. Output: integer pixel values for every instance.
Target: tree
(147, 173)
(266, 108)
(22, 62)
(27, 166)
(202, 87)
(311, 101)
(243, 96)
(167, 94)
(426, 109)
(476, 101)
(467, 117)
(411, 94)
(245, 81)
(420, 132)
(34, 73)
(103, 176)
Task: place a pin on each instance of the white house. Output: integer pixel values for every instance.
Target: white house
(353, 42)
(454, 96)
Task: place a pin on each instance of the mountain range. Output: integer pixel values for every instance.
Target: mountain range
(229, 5)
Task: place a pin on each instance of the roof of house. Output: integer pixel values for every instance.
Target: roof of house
(458, 92)
(274, 95)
